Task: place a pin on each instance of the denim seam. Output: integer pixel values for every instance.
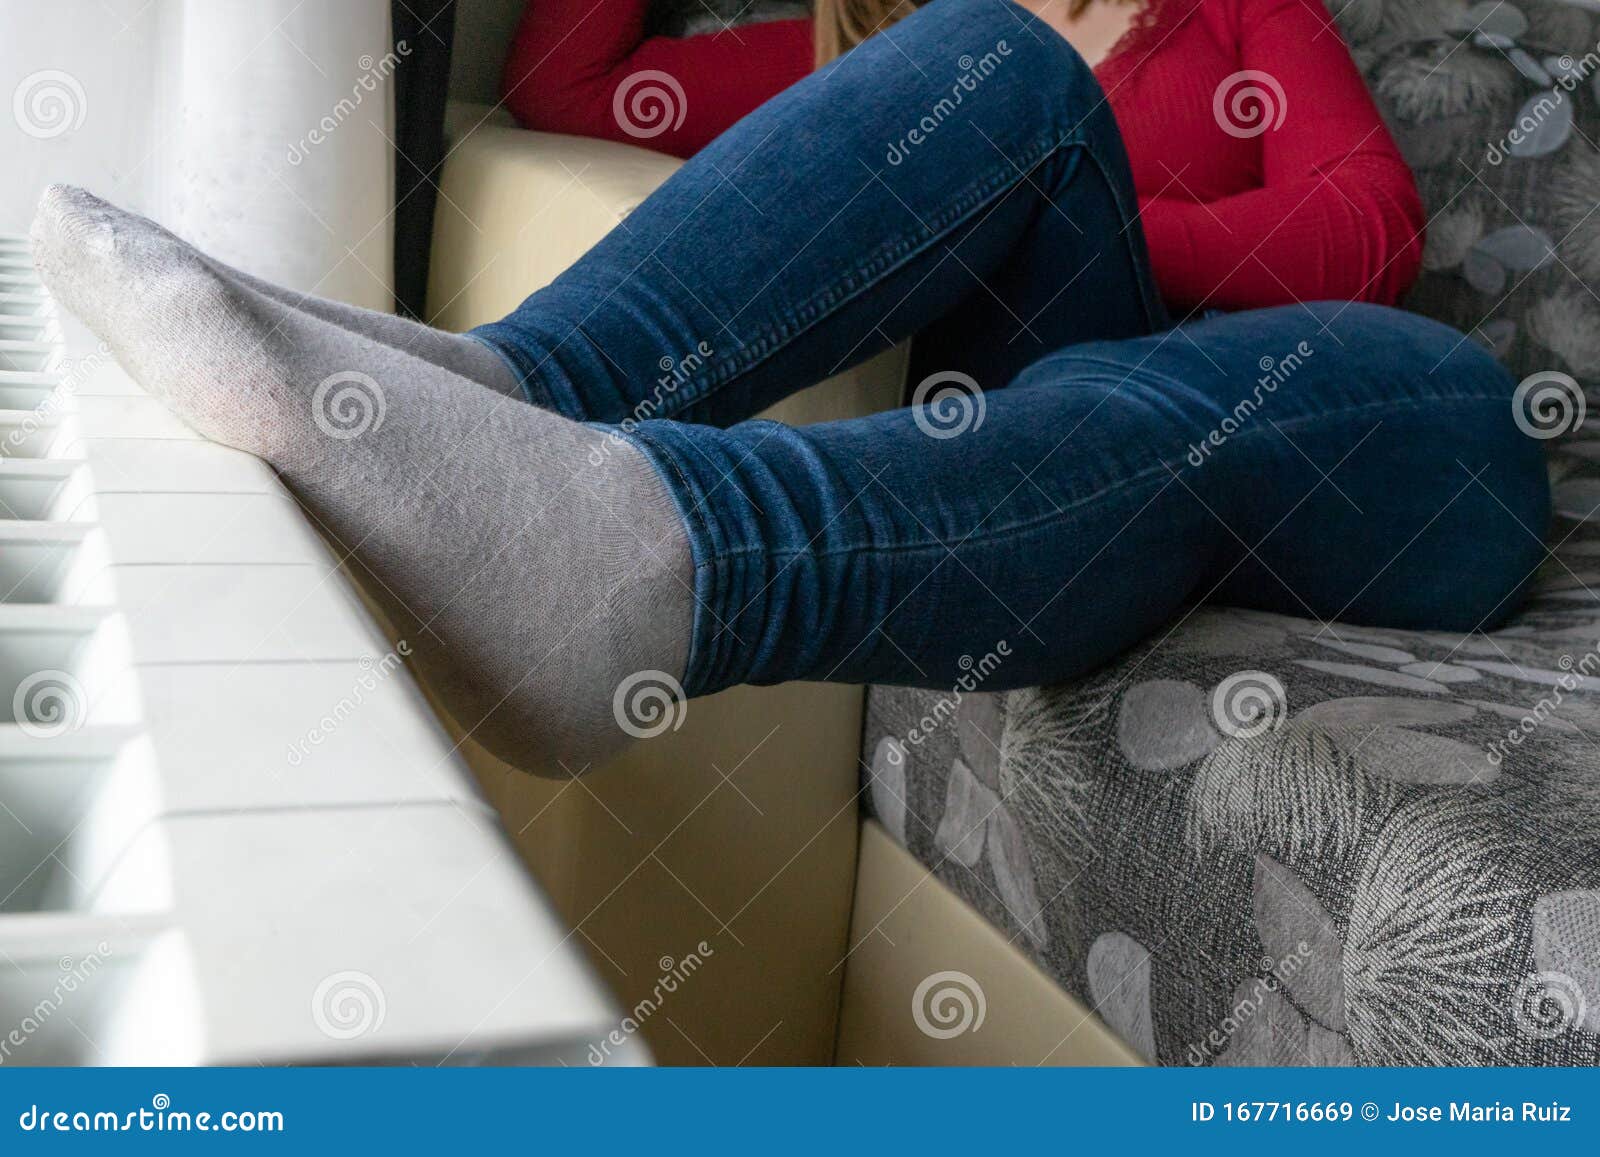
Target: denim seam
(1150, 298)
(1132, 480)
(885, 260)
(1120, 371)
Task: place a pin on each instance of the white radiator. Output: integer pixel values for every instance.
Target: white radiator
(231, 831)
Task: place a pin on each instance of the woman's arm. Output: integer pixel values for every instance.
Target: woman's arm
(1338, 216)
(570, 57)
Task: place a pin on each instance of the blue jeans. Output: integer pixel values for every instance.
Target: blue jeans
(1074, 469)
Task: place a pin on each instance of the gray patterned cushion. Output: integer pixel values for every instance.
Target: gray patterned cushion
(1257, 840)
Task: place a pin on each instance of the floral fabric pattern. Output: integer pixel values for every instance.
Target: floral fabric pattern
(1267, 840)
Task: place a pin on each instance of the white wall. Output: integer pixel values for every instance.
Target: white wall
(259, 129)
(78, 88)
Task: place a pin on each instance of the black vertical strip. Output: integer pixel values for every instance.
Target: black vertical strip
(426, 29)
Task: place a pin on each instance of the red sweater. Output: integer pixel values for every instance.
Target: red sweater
(1238, 215)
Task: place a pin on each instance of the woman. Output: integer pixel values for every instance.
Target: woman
(570, 58)
(960, 177)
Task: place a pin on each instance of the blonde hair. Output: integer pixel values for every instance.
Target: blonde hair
(843, 24)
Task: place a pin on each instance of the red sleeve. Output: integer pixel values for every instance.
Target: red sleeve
(1337, 216)
(571, 59)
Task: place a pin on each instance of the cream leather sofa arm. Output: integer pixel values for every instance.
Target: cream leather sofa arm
(516, 208)
(730, 842)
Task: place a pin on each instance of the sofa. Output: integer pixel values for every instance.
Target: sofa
(1252, 839)
(1262, 840)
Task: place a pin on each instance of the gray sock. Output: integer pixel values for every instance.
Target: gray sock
(534, 565)
(452, 351)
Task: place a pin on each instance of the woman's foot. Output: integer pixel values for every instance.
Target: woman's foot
(533, 564)
(455, 352)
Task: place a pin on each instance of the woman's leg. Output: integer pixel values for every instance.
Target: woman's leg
(965, 154)
(541, 569)
(1333, 461)
(534, 562)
